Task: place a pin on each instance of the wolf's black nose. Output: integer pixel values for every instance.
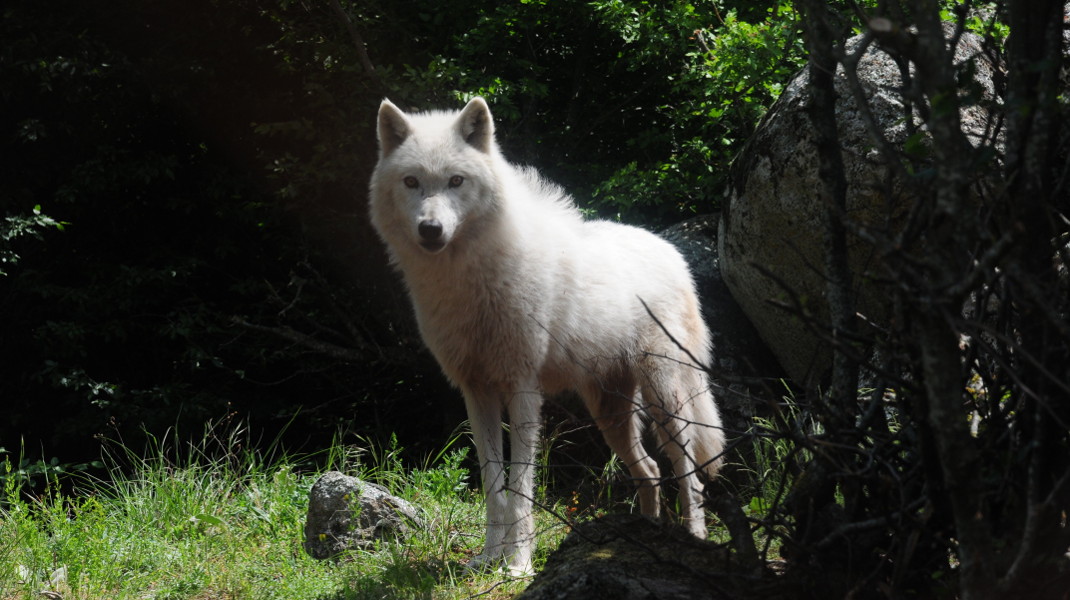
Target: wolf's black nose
(430, 229)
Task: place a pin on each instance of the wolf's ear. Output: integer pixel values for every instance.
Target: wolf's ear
(476, 126)
(394, 127)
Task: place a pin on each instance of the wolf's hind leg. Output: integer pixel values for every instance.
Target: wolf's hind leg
(675, 433)
(617, 413)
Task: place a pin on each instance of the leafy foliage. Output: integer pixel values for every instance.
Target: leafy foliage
(732, 73)
(19, 226)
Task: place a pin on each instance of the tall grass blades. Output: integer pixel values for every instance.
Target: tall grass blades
(216, 519)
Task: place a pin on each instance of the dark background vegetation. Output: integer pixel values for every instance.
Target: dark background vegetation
(205, 166)
(184, 240)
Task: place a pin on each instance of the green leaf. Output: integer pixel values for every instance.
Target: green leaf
(916, 146)
(207, 519)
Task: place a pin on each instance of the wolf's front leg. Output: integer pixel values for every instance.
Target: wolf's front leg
(525, 425)
(485, 418)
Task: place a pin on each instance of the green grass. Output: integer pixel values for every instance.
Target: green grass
(229, 525)
(219, 520)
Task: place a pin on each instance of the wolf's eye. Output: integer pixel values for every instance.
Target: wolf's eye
(411, 182)
(456, 181)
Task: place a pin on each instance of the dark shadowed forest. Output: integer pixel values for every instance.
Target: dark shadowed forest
(184, 189)
(184, 240)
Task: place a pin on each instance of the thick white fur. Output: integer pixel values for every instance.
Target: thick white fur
(517, 296)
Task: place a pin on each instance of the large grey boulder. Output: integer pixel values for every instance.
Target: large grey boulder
(630, 557)
(347, 513)
(771, 231)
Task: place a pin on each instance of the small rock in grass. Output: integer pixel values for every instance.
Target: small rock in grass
(347, 513)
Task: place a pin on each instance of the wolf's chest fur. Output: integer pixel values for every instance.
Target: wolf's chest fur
(480, 321)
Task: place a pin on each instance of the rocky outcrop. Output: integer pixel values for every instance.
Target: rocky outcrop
(771, 231)
(630, 557)
(347, 513)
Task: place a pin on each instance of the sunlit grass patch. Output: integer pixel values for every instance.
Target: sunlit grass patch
(200, 524)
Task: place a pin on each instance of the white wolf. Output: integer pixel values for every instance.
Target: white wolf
(517, 296)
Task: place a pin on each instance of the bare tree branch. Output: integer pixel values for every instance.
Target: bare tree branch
(335, 351)
(358, 45)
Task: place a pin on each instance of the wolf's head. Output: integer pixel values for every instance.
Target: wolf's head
(435, 176)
